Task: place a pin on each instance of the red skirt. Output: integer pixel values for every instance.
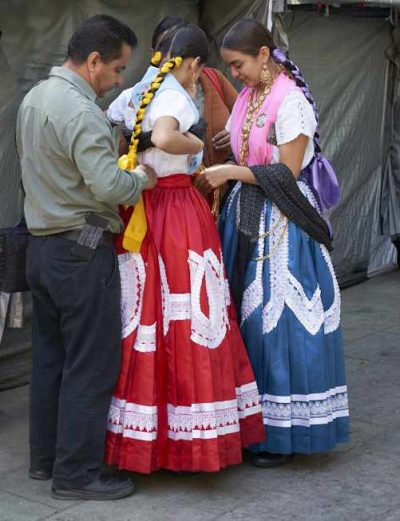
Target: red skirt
(186, 397)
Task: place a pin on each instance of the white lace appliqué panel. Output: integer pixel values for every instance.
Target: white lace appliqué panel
(197, 421)
(208, 331)
(133, 278)
(248, 400)
(285, 289)
(146, 338)
(132, 420)
(210, 420)
(305, 410)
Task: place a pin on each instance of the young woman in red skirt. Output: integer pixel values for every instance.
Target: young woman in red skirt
(186, 398)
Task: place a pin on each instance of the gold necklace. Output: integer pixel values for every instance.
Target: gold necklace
(252, 110)
(253, 107)
(276, 246)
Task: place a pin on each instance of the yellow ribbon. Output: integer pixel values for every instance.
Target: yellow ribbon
(136, 228)
(156, 58)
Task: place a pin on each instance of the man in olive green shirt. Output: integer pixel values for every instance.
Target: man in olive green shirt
(68, 154)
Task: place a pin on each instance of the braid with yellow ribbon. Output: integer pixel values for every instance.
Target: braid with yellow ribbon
(156, 58)
(136, 228)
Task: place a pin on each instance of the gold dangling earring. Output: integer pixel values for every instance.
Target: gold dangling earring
(266, 77)
(192, 90)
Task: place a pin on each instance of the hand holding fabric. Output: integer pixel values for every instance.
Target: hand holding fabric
(215, 176)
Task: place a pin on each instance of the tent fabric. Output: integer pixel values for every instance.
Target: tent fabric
(10, 191)
(343, 59)
(390, 195)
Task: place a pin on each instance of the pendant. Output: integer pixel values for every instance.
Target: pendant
(261, 119)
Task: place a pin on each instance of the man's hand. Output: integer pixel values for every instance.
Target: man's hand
(151, 175)
(222, 140)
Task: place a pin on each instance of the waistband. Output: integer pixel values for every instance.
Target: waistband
(175, 181)
(73, 235)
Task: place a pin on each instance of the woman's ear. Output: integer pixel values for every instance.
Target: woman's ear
(264, 53)
(196, 63)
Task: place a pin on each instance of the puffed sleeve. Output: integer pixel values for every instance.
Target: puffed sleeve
(174, 104)
(295, 116)
(116, 111)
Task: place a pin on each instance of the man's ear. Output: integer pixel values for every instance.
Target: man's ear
(93, 60)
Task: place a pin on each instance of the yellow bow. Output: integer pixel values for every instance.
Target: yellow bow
(136, 228)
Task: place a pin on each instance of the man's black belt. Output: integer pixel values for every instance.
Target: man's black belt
(87, 239)
(73, 235)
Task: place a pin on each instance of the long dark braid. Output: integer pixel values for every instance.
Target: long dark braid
(129, 161)
(319, 173)
(281, 58)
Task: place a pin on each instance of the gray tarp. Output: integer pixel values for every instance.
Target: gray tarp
(343, 59)
(390, 200)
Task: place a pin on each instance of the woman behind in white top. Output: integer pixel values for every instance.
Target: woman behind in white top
(186, 399)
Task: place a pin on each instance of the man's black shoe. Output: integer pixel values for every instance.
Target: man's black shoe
(104, 488)
(42, 475)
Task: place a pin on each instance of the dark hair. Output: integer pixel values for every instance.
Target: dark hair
(165, 31)
(247, 36)
(189, 42)
(103, 34)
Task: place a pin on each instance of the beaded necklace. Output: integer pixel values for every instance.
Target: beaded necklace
(253, 108)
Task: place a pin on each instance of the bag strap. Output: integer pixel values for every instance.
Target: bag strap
(215, 80)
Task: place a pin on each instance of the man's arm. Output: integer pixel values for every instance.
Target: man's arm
(90, 146)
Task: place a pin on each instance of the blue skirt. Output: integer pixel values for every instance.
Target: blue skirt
(290, 323)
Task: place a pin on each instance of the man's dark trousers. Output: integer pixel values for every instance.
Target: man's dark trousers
(76, 346)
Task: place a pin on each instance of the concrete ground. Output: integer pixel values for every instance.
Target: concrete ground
(360, 482)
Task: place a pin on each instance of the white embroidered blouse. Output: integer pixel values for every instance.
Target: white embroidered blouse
(169, 102)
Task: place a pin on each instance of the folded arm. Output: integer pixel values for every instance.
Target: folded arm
(167, 137)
